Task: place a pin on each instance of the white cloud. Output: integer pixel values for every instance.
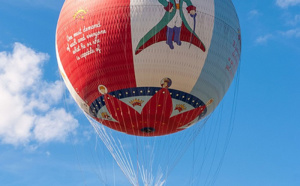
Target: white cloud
(27, 102)
(292, 33)
(287, 3)
(263, 39)
(56, 125)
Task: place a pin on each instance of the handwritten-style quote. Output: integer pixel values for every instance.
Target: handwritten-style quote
(76, 42)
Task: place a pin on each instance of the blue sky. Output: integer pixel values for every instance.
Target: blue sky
(46, 140)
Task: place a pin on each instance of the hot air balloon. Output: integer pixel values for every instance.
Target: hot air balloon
(148, 67)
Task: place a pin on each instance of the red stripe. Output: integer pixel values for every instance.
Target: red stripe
(113, 67)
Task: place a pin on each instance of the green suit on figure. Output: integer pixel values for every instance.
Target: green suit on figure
(171, 26)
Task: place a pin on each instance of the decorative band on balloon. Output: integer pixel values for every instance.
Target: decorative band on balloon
(146, 91)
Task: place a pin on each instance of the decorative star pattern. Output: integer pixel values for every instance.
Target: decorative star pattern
(155, 118)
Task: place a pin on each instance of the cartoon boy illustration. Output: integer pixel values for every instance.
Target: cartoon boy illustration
(166, 83)
(172, 27)
(102, 89)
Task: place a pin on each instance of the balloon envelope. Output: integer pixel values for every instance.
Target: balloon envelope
(148, 67)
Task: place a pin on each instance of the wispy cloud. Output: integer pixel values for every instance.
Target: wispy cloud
(253, 13)
(287, 3)
(263, 39)
(292, 33)
(29, 105)
(277, 36)
(295, 20)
